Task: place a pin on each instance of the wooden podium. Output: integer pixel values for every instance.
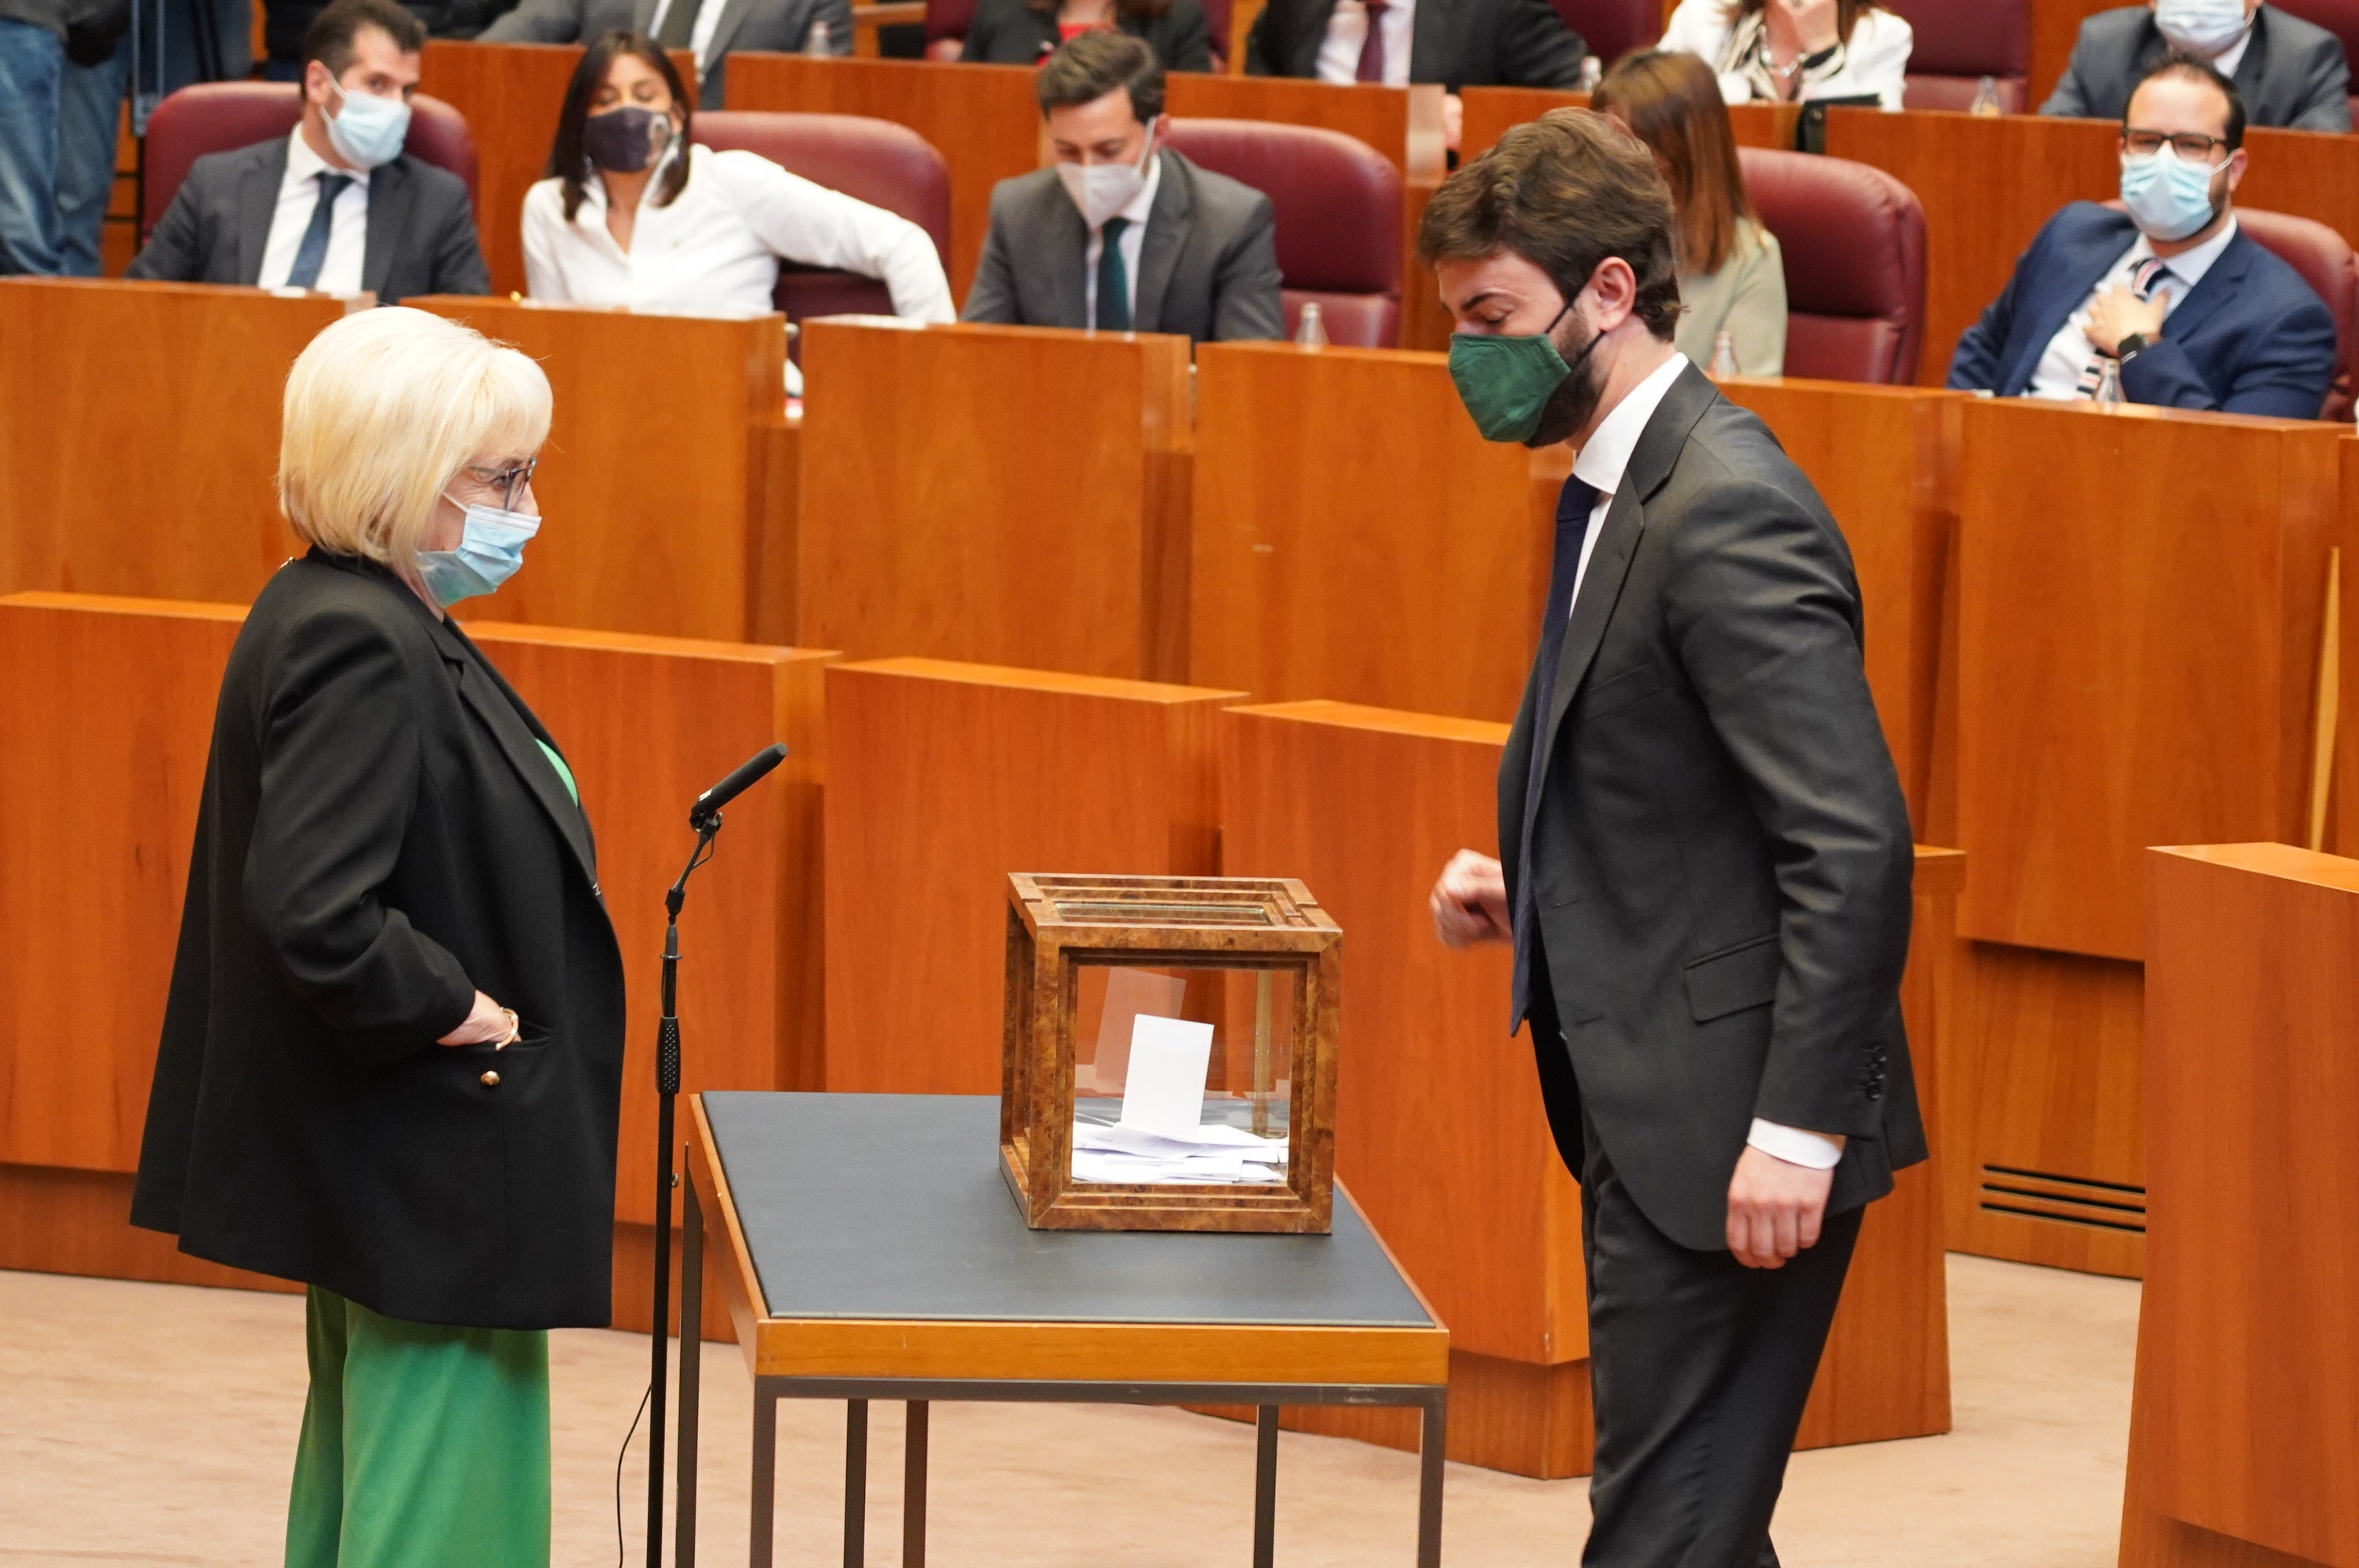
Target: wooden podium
(2245, 1431)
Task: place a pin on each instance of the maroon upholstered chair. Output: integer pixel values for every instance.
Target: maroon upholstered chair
(2340, 17)
(1338, 218)
(1612, 28)
(221, 116)
(878, 162)
(2325, 261)
(1853, 240)
(1959, 42)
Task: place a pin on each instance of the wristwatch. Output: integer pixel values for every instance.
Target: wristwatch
(2130, 347)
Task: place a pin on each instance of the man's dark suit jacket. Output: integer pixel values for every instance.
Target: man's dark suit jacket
(1720, 852)
(2252, 338)
(781, 26)
(421, 229)
(2293, 73)
(1208, 266)
(1011, 32)
(1459, 43)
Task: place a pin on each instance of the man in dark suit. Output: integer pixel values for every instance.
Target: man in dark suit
(1706, 860)
(2289, 72)
(712, 29)
(337, 205)
(1119, 235)
(2170, 301)
(1459, 43)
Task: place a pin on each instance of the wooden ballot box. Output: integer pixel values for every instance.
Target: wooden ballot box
(2140, 596)
(1439, 1132)
(140, 434)
(107, 715)
(944, 778)
(2245, 1426)
(667, 506)
(1013, 495)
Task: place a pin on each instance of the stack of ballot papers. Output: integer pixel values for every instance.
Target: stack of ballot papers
(1208, 1153)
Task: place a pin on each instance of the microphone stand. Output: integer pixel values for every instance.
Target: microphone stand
(707, 827)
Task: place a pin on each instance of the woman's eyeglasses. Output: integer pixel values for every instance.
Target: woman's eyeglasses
(509, 483)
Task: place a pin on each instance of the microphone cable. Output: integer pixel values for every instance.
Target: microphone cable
(645, 1395)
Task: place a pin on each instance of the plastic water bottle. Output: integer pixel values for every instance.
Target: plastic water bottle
(1593, 72)
(817, 44)
(1724, 356)
(1312, 332)
(2109, 385)
(1986, 105)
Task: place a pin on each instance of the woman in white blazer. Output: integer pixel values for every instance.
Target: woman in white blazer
(1795, 50)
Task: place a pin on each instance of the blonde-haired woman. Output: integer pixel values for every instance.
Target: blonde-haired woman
(391, 1061)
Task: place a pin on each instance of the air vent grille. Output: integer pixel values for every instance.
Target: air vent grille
(2067, 1200)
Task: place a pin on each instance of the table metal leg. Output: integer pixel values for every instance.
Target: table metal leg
(766, 1474)
(692, 1347)
(913, 1486)
(855, 1483)
(1431, 1443)
(1265, 1547)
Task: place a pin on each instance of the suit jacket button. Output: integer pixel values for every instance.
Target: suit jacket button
(491, 1080)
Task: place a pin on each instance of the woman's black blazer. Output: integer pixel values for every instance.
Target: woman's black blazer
(380, 836)
(1009, 32)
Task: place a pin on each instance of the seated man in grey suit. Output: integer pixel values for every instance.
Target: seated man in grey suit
(711, 29)
(2288, 71)
(336, 205)
(1118, 234)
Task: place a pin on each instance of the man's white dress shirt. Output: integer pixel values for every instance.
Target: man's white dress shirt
(1601, 465)
(299, 196)
(2068, 352)
(1347, 30)
(1132, 244)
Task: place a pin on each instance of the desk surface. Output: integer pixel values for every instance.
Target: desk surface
(873, 1236)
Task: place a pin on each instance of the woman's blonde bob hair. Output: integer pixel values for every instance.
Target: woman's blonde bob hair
(383, 409)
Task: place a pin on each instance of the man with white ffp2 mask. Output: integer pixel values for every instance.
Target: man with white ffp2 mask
(2291, 73)
(1122, 233)
(2170, 299)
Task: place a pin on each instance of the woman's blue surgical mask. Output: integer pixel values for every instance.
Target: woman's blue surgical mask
(367, 131)
(2168, 196)
(489, 552)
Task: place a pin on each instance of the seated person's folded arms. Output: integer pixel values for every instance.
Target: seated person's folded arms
(1781, 51)
(1022, 32)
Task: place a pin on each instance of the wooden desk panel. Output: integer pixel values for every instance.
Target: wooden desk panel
(944, 778)
(1356, 539)
(2055, 27)
(1403, 124)
(1490, 111)
(125, 470)
(510, 95)
(1013, 495)
(2246, 1419)
(647, 724)
(651, 481)
(2140, 603)
(983, 119)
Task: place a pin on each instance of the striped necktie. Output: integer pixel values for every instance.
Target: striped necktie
(2143, 283)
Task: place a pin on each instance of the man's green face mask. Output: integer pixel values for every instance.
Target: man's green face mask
(1507, 382)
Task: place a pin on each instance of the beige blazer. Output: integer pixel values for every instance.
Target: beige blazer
(1746, 298)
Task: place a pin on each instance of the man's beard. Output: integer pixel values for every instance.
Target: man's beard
(1572, 403)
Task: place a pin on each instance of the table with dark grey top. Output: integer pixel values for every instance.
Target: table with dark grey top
(872, 1250)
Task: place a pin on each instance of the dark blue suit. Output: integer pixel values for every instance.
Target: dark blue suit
(2252, 338)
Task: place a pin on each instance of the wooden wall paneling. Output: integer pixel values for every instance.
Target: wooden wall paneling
(983, 119)
(2138, 651)
(651, 482)
(107, 716)
(2246, 1407)
(942, 779)
(2311, 174)
(2055, 27)
(649, 723)
(2343, 833)
(125, 470)
(1402, 123)
(1884, 460)
(942, 516)
(773, 513)
(1403, 567)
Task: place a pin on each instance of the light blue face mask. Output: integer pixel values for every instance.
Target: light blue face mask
(367, 130)
(489, 553)
(2168, 198)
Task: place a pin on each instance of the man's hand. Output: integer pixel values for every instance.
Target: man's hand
(1470, 901)
(2117, 313)
(1775, 1209)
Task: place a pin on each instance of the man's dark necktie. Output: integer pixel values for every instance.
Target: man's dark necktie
(312, 254)
(1372, 52)
(679, 23)
(1114, 279)
(1574, 506)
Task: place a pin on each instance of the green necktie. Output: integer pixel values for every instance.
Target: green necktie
(1114, 279)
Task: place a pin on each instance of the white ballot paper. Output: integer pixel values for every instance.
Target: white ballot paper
(1163, 1083)
(1162, 1136)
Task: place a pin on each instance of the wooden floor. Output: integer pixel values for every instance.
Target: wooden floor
(147, 1426)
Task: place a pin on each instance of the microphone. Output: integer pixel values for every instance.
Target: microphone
(749, 772)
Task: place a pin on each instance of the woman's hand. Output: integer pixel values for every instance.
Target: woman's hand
(1799, 29)
(488, 1024)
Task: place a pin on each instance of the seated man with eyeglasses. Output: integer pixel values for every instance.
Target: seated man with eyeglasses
(2167, 299)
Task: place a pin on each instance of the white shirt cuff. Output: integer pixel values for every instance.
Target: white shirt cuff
(1814, 1150)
